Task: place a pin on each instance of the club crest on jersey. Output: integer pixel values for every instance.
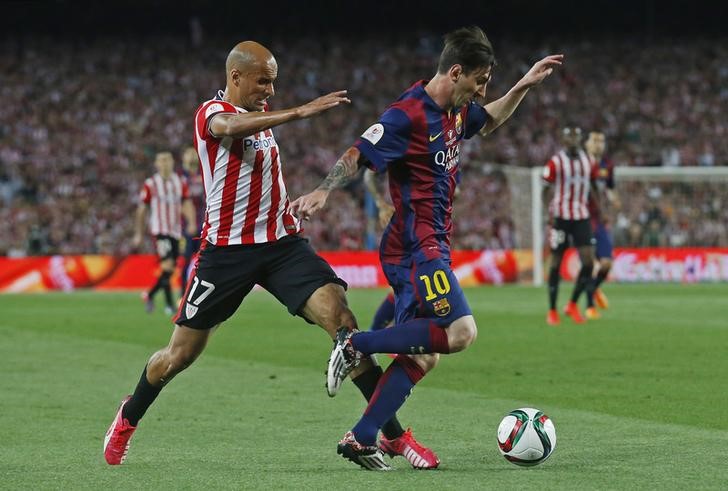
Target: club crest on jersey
(441, 307)
(374, 133)
(459, 123)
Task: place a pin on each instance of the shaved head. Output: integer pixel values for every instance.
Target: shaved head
(248, 55)
(251, 70)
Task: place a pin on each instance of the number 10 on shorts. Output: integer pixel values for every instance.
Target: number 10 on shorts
(439, 281)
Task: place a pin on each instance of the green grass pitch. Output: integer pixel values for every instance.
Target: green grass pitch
(639, 398)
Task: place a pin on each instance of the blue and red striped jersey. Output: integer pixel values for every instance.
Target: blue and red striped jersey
(604, 179)
(418, 144)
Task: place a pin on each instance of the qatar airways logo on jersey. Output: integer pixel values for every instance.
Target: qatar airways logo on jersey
(448, 159)
(263, 143)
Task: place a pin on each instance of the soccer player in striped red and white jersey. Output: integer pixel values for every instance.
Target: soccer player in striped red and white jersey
(570, 174)
(249, 236)
(165, 198)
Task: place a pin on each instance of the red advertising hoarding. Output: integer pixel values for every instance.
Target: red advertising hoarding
(648, 265)
(359, 269)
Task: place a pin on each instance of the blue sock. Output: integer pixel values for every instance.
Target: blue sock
(384, 314)
(393, 389)
(418, 336)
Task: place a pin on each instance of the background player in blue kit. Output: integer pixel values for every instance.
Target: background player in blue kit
(417, 141)
(604, 179)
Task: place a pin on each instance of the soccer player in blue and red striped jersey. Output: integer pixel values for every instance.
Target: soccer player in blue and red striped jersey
(417, 141)
(604, 180)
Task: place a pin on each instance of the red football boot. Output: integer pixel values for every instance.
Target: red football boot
(552, 318)
(572, 310)
(419, 456)
(118, 436)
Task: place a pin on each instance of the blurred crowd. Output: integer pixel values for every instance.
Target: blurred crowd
(80, 123)
(672, 214)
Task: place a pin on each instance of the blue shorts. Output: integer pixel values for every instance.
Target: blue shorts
(604, 241)
(427, 290)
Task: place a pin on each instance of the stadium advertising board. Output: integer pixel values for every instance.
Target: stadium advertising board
(359, 269)
(362, 270)
(653, 265)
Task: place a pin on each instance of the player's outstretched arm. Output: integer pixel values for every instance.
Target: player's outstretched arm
(250, 123)
(343, 172)
(502, 109)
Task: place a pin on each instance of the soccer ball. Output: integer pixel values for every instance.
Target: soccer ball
(526, 437)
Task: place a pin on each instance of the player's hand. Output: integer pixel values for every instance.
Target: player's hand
(136, 241)
(385, 213)
(310, 203)
(191, 230)
(541, 70)
(323, 103)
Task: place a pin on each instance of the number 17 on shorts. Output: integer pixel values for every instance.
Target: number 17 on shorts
(197, 295)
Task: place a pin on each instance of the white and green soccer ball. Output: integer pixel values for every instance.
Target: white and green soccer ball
(526, 437)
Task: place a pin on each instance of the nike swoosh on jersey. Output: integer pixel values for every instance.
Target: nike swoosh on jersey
(435, 137)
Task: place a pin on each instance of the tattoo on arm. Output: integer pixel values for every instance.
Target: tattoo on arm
(343, 172)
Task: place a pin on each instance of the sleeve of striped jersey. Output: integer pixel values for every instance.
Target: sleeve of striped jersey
(549, 171)
(145, 196)
(385, 141)
(475, 119)
(207, 112)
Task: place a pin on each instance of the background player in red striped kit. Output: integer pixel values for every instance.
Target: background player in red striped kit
(417, 142)
(569, 173)
(165, 198)
(249, 236)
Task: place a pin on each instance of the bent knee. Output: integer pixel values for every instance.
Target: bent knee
(328, 308)
(462, 333)
(335, 317)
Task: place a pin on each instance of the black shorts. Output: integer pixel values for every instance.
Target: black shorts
(288, 268)
(167, 247)
(570, 233)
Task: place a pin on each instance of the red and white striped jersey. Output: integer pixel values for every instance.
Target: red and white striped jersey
(246, 197)
(164, 197)
(571, 178)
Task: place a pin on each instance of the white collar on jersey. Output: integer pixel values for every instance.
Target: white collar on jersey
(221, 94)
